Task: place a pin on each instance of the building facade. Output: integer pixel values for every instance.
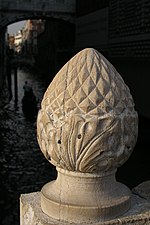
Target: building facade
(120, 30)
(120, 27)
(55, 46)
(30, 33)
(129, 28)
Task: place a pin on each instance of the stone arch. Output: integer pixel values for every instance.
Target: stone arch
(15, 11)
(11, 12)
(9, 19)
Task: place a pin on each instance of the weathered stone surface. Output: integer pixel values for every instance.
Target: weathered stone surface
(143, 190)
(87, 127)
(31, 213)
(87, 120)
(84, 197)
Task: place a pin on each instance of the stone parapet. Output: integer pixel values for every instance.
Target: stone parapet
(139, 213)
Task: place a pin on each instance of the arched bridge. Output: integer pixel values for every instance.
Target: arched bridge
(13, 11)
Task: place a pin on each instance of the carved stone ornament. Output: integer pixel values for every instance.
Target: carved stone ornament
(87, 127)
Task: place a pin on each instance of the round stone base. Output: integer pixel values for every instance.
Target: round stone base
(83, 197)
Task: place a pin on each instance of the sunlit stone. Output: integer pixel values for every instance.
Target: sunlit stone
(87, 127)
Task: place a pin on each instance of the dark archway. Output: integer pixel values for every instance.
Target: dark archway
(11, 12)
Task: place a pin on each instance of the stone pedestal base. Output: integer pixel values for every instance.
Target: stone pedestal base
(83, 197)
(31, 213)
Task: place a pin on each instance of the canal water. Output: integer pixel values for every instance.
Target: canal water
(23, 168)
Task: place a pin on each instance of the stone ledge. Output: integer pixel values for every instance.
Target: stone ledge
(31, 213)
(143, 190)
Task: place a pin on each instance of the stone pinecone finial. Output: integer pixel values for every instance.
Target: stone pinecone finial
(87, 122)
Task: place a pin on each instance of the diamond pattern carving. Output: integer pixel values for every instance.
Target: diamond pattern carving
(87, 120)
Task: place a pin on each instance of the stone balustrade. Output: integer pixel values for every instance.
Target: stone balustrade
(87, 127)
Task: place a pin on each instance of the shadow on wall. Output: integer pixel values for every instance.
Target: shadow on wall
(136, 168)
(136, 75)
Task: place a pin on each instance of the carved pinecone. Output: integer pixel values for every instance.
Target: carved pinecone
(87, 121)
